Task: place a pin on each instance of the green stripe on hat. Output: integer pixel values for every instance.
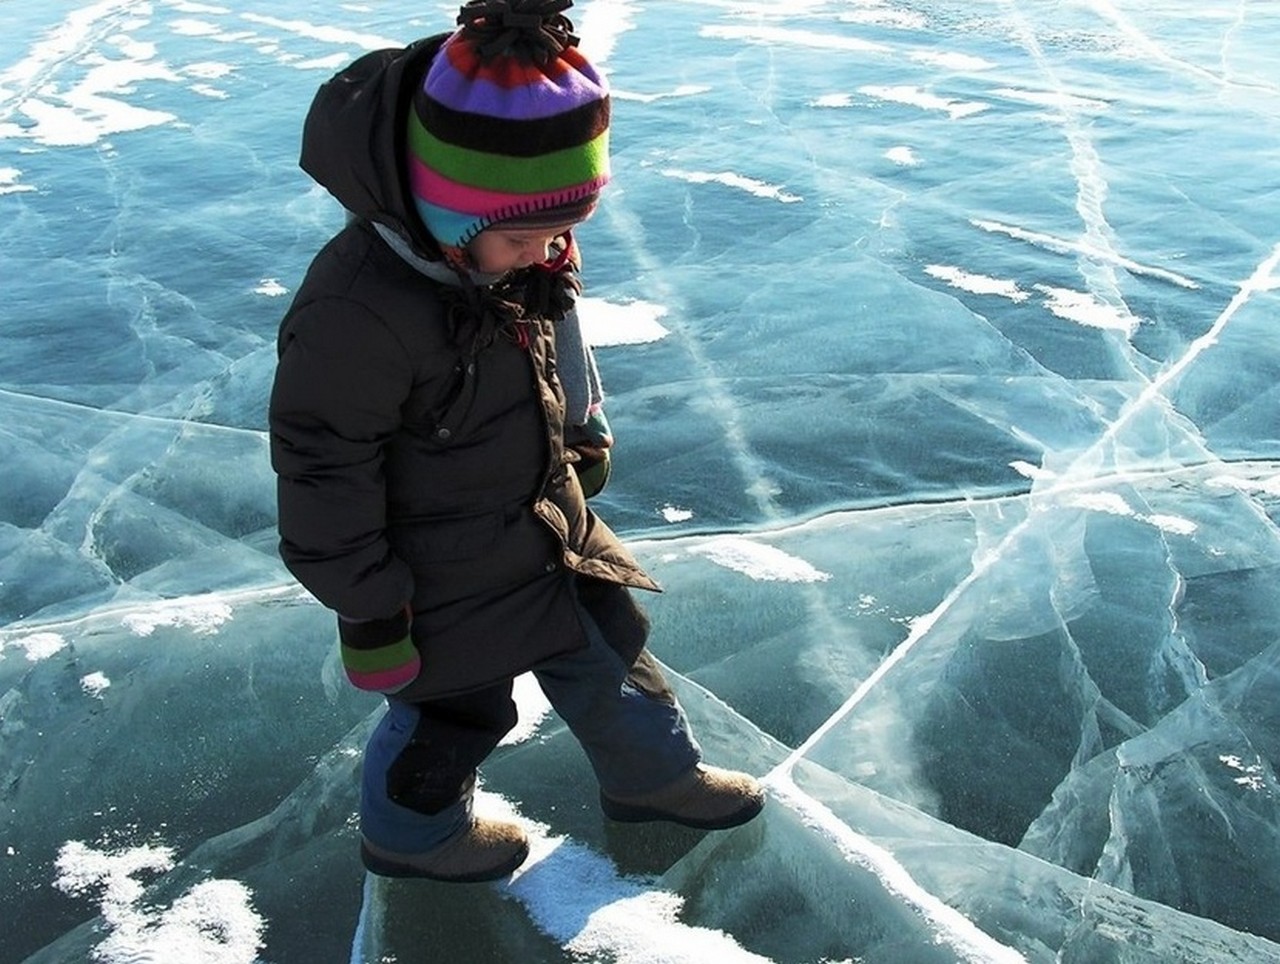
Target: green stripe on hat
(514, 175)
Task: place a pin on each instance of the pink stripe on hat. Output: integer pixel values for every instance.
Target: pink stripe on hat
(444, 192)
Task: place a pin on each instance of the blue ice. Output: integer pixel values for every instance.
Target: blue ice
(940, 343)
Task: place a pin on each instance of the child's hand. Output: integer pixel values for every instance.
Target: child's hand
(596, 432)
(378, 654)
(591, 441)
(593, 468)
(592, 453)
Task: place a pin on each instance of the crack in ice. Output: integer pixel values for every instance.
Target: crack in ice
(949, 926)
(1081, 247)
(1263, 278)
(1108, 11)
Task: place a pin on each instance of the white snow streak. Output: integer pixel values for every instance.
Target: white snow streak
(740, 181)
(37, 646)
(976, 283)
(760, 562)
(203, 616)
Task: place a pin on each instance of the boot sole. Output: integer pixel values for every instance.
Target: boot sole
(627, 813)
(393, 868)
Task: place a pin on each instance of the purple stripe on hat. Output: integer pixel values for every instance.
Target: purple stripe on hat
(528, 102)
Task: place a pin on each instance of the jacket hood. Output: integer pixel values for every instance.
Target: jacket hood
(353, 140)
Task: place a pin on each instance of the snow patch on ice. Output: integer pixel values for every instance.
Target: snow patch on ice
(1269, 486)
(91, 110)
(951, 60)
(271, 287)
(600, 25)
(208, 70)
(607, 323)
(1173, 524)
(60, 44)
(1085, 309)
(1078, 247)
(9, 181)
(324, 33)
(1114, 504)
(332, 62)
(732, 179)
(188, 6)
(1253, 778)
(760, 562)
(914, 96)
(903, 156)
(978, 284)
(777, 36)
(212, 923)
(577, 897)
(204, 90)
(1057, 99)
(1032, 472)
(37, 646)
(189, 27)
(94, 684)
(684, 90)
(882, 15)
(203, 617)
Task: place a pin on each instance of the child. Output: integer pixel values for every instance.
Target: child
(433, 419)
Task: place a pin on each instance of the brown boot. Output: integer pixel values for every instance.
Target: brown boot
(707, 798)
(486, 850)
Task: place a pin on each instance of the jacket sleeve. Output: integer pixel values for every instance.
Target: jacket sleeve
(340, 382)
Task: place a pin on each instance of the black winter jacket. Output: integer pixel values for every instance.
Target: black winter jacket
(416, 466)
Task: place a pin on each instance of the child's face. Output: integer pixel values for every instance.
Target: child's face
(497, 250)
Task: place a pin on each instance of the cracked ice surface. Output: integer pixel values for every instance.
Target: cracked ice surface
(941, 347)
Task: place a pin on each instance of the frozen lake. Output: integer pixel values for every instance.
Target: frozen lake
(942, 345)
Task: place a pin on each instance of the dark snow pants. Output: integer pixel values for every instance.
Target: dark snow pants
(420, 764)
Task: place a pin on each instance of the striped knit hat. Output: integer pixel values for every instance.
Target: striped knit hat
(511, 124)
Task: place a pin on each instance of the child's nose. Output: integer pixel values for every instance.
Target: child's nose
(536, 252)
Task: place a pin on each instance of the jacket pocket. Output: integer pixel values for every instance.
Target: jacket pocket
(446, 540)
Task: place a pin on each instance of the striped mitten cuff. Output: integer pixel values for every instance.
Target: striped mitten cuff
(378, 654)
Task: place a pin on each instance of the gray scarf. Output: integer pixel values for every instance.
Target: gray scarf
(579, 376)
